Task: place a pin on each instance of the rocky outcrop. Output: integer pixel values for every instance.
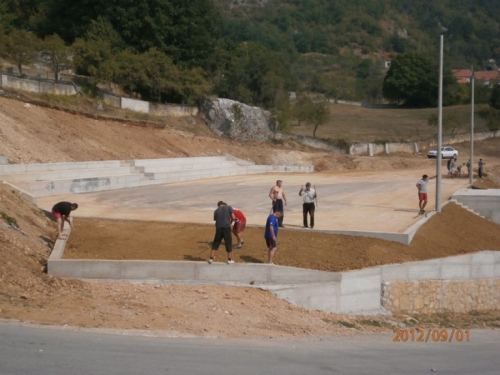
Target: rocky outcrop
(237, 120)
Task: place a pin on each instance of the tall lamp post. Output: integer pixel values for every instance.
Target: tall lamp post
(471, 169)
(440, 128)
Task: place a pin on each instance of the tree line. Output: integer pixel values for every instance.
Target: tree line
(257, 52)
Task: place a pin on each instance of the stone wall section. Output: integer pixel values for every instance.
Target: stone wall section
(435, 296)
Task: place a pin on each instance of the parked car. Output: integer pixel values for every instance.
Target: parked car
(446, 152)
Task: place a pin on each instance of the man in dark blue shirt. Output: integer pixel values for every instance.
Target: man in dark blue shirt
(271, 234)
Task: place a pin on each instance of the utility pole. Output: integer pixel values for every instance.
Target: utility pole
(471, 173)
(440, 128)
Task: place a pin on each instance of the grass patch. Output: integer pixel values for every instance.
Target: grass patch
(362, 124)
(458, 321)
(375, 323)
(342, 323)
(9, 220)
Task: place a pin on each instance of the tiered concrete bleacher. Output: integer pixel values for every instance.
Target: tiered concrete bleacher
(83, 177)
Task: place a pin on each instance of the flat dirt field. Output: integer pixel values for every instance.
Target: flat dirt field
(455, 231)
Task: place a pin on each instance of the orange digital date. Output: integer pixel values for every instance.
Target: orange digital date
(426, 335)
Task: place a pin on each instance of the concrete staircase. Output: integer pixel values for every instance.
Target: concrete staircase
(467, 208)
(49, 179)
(485, 203)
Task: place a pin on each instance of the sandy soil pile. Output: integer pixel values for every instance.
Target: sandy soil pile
(455, 231)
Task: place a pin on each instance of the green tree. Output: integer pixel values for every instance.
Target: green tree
(187, 31)
(94, 55)
(17, 14)
(55, 54)
(160, 74)
(20, 48)
(310, 112)
(255, 75)
(319, 114)
(90, 56)
(412, 80)
(495, 96)
(302, 109)
(195, 85)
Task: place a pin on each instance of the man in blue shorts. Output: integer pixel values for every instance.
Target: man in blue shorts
(271, 234)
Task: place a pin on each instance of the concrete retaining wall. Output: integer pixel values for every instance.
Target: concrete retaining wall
(371, 149)
(166, 110)
(172, 110)
(357, 291)
(50, 179)
(484, 202)
(28, 197)
(17, 168)
(82, 185)
(65, 174)
(434, 296)
(135, 105)
(112, 100)
(33, 85)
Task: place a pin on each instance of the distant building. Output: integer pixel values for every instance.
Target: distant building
(486, 77)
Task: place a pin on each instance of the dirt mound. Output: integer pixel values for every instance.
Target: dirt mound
(453, 232)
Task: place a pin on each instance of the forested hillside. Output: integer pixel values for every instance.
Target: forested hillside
(254, 51)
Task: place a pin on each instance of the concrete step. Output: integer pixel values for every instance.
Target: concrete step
(83, 185)
(188, 166)
(16, 168)
(64, 174)
(178, 161)
(467, 208)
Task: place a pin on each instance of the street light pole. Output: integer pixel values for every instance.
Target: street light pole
(471, 161)
(440, 128)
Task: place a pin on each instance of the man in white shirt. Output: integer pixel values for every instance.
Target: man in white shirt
(309, 195)
(422, 192)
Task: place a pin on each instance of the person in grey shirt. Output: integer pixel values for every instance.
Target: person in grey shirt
(422, 192)
(223, 217)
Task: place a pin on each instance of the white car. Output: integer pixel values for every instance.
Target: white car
(446, 152)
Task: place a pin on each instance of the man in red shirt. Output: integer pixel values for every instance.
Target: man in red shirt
(240, 223)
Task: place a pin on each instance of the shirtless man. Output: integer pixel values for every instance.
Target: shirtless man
(277, 195)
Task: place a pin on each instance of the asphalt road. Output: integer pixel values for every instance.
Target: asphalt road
(56, 351)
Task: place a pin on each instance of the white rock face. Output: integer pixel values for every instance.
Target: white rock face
(237, 120)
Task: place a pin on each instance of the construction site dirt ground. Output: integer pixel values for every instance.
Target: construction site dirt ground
(453, 232)
(28, 294)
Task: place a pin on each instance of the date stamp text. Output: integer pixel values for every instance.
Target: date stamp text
(431, 335)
